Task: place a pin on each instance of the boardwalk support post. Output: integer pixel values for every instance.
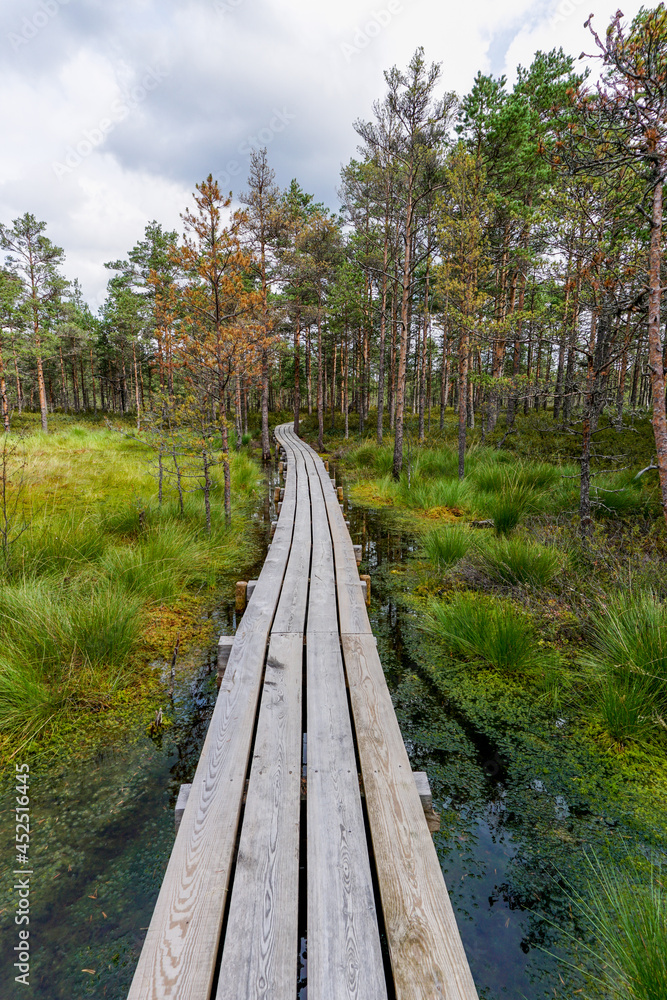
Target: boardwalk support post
(224, 649)
(240, 595)
(366, 584)
(426, 798)
(181, 802)
(357, 554)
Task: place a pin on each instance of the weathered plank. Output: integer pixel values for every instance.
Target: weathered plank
(322, 610)
(344, 957)
(427, 955)
(259, 958)
(291, 612)
(352, 614)
(179, 954)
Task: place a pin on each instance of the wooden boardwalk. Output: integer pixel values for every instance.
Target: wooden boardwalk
(304, 660)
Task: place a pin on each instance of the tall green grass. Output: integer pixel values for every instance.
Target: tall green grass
(492, 632)
(628, 655)
(625, 912)
(630, 636)
(446, 546)
(162, 564)
(516, 561)
(100, 548)
(63, 648)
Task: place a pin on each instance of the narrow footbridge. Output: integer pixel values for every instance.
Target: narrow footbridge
(304, 663)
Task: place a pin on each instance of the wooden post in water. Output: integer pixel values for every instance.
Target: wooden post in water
(241, 588)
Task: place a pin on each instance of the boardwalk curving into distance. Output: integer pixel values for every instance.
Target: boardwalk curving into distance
(304, 660)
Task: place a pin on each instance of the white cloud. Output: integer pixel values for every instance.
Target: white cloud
(229, 73)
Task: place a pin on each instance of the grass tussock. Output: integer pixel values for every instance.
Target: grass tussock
(446, 546)
(518, 562)
(628, 657)
(626, 915)
(98, 551)
(491, 632)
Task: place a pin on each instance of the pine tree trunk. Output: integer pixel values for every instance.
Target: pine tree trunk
(266, 442)
(320, 397)
(403, 349)
(659, 418)
(136, 385)
(225, 468)
(4, 402)
(463, 398)
(297, 371)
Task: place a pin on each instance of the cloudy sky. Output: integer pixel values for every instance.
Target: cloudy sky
(113, 109)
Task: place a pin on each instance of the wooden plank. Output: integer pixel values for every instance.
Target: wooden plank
(259, 958)
(352, 614)
(344, 957)
(427, 955)
(322, 608)
(291, 613)
(179, 953)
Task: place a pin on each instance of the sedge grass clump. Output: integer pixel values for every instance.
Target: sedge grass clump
(626, 705)
(161, 565)
(57, 545)
(489, 631)
(63, 648)
(628, 656)
(506, 510)
(244, 476)
(515, 561)
(446, 546)
(425, 494)
(52, 627)
(625, 912)
(630, 636)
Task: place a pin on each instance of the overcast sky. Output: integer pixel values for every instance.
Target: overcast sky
(112, 110)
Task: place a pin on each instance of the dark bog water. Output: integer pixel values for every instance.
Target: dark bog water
(499, 887)
(102, 831)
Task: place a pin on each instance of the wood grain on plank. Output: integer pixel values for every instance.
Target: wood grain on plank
(322, 608)
(179, 953)
(427, 956)
(259, 958)
(291, 613)
(352, 613)
(344, 957)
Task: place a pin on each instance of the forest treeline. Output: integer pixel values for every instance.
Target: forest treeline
(496, 253)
